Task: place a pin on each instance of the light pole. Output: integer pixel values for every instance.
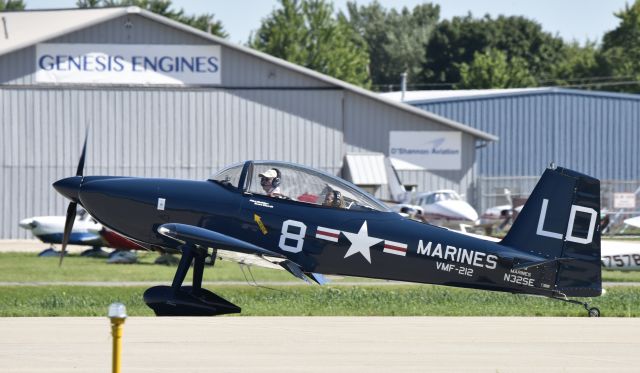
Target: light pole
(117, 314)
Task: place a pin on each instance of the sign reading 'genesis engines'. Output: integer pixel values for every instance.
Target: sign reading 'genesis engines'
(128, 64)
(425, 150)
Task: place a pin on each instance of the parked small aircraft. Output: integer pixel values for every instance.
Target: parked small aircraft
(446, 208)
(500, 217)
(263, 213)
(634, 222)
(50, 229)
(86, 232)
(621, 255)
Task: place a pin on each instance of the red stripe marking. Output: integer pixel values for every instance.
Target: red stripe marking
(334, 235)
(387, 246)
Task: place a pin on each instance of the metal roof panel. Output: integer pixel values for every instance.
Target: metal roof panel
(417, 97)
(25, 28)
(367, 168)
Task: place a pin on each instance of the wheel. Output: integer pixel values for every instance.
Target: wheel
(594, 312)
(49, 252)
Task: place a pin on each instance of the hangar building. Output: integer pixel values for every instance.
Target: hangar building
(163, 99)
(596, 133)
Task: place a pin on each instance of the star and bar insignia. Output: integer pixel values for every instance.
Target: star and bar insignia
(361, 242)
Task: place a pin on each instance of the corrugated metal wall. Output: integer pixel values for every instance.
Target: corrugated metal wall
(161, 132)
(367, 126)
(260, 111)
(154, 131)
(181, 133)
(596, 134)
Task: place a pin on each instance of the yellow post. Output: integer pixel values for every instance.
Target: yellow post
(117, 314)
(116, 332)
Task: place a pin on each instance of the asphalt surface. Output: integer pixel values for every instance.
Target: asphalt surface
(316, 344)
(35, 246)
(323, 344)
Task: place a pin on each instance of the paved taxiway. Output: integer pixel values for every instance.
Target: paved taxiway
(324, 344)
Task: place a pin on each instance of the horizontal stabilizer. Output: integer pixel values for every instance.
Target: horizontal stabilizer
(527, 265)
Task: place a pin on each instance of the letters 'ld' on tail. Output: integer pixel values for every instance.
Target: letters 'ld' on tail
(561, 222)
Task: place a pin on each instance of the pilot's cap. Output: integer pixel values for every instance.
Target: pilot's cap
(271, 173)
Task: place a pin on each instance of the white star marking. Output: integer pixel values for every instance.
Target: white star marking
(361, 242)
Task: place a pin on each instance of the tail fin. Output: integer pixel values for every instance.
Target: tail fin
(561, 220)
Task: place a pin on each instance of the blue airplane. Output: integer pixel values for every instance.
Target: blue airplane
(309, 223)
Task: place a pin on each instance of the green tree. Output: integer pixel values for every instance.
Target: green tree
(396, 40)
(619, 56)
(456, 42)
(305, 32)
(577, 66)
(9, 5)
(493, 69)
(204, 22)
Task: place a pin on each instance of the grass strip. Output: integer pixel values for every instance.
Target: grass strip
(307, 300)
(27, 267)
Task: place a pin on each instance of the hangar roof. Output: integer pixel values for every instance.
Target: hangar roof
(26, 28)
(416, 97)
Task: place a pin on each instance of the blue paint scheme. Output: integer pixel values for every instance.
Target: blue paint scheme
(84, 239)
(221, 215)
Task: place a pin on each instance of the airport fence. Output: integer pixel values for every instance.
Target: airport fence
(494, 191)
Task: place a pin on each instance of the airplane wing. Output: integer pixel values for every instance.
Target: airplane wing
(232, 248)
(207, 238)
(634, 222)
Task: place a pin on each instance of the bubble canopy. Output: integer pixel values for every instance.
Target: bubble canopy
(298, 183)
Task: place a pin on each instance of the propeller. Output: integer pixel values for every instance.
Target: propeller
(73, 205)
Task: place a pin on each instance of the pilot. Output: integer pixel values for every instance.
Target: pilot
(270, 182)
(333, 198)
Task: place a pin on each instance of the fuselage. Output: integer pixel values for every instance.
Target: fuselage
(362, 243)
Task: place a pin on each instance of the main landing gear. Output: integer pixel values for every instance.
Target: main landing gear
(178, 300)
(95, 252)
(593, 311)
(51, 251)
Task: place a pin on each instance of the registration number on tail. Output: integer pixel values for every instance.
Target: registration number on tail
(517, 279)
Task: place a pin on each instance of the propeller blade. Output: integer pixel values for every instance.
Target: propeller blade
(80, 170)
(68, 226)
(71, 210)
